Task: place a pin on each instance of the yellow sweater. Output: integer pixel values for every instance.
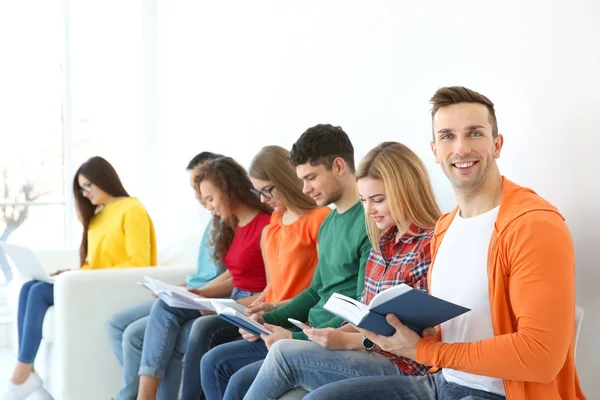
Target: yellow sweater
(121, 235)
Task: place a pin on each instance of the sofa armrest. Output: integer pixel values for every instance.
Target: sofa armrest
(84, 301)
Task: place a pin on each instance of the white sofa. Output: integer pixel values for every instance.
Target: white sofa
(75, 358)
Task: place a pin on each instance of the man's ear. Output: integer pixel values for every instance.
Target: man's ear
(434, 151)
(339, 165)
(498, 143)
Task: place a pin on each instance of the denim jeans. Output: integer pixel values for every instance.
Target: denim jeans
(34, 300)
(228, 370)
(300, 363)
(432, 387)
(126, 333)
(164, 339)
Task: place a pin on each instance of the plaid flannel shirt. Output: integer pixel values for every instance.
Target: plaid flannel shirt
(406, 261)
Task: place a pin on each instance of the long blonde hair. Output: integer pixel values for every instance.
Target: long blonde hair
(407, 187)
(272, 164)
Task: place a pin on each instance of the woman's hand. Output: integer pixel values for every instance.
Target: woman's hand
(197, 292)
(259, 307)
(250, 337)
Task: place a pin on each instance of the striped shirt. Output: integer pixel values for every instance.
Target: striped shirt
(406, 261)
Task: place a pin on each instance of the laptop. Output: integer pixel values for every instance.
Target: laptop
(26, 263)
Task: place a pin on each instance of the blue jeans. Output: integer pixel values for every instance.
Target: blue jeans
(126, 333)
(300, 363)
(229, 370)
(432, 387)
(162, 341)
(34, 300)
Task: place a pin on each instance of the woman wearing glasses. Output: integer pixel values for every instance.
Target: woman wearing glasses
(291, 251)
(117, 233)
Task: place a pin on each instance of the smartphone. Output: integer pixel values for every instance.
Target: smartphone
(298, 324)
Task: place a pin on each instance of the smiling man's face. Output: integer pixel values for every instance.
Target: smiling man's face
(464, 145)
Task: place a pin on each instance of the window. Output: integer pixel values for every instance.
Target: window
(111, 113)
(31, 143)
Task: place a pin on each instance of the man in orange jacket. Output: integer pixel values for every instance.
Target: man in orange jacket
(506, 254)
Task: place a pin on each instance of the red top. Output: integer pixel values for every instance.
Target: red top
(244, 259)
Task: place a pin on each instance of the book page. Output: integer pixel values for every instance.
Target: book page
(157, 287)
(178, 300)
(180, 290)
(347, 308)
(148, 283)
(388, 294)
(226, 303)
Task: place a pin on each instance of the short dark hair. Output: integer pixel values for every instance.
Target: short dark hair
(449, 95)
(201, 158)
(321, 144)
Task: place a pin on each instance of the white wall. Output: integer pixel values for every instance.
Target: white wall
(234, 76)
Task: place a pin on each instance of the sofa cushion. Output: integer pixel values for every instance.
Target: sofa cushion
(48, 326)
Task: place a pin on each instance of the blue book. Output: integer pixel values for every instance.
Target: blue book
(415, 309)
(241, 320)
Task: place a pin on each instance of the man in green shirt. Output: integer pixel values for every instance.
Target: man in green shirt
(324, 159)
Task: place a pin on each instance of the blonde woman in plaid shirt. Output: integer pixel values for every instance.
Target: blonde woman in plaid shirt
(401, 213)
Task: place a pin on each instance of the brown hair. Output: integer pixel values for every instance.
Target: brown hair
(232, 181)
(408, 189)
(102, 174)
(322, 144)
(272, 164)
(458, 94)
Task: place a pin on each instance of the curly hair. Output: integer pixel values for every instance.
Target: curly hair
(321, 144)
(233, 182)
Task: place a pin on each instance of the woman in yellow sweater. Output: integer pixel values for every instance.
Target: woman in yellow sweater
(117, 233)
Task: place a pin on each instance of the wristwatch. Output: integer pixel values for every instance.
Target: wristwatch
(368, 344)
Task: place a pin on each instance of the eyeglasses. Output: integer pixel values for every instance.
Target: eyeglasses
(267, 192)
(86, 188)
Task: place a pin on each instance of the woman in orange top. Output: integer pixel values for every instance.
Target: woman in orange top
(291, 241)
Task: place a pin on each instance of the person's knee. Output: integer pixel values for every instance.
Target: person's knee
(39, 292)
(207, 326)
(161, 307)
(25, 290)
(114, 327)
(285, 345)
(27, 285)
(133, 337)
(237, 380)
(289, 347)
(242, 379)
(210, 360)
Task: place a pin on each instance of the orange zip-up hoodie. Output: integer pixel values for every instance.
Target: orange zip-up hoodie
(531, 275)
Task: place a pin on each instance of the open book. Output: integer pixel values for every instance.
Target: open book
(415, 309)
(180, 297)
(240, 320)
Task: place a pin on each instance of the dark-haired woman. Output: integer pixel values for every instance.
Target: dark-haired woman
(117, 232)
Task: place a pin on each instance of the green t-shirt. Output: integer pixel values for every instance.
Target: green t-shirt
(343, 253)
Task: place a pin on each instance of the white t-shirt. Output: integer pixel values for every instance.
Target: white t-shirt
(460, 276)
